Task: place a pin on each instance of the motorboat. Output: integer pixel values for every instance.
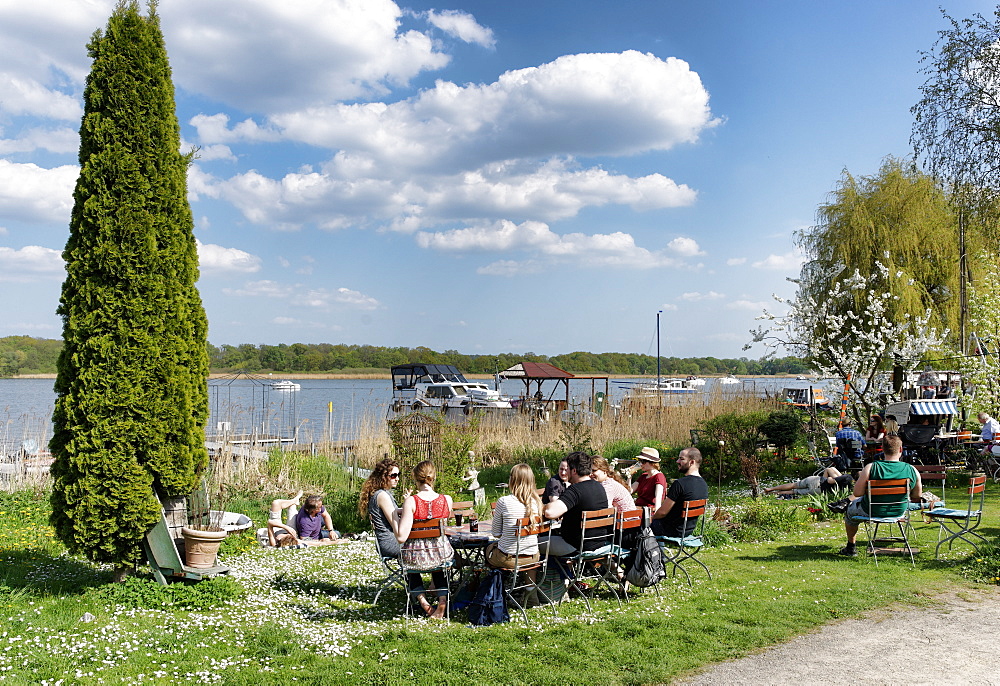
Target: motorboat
(729, 380)
(805, 398)
(693, 381)
(443, 387)
(660, 387)
(285, 385)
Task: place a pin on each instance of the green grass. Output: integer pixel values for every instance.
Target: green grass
(306, 616)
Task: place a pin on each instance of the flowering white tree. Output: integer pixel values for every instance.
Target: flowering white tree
(848, 337)
(982, 370)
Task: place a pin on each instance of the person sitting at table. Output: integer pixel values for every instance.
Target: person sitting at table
(876, 429)
(891, 426)
(650, 487)
(377, 504)
(615, 486)
(521, 502)
(829, 481)
(990, 433)
(583, 494)
(555, 486)
(425, 553)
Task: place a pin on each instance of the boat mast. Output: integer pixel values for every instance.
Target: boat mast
(658, 313)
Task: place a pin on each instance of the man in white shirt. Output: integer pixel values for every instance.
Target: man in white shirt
(991, 431)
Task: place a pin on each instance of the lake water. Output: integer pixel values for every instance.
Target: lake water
(26, 405)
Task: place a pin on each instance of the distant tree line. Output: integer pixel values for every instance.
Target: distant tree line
(326, 357)
(27, 355)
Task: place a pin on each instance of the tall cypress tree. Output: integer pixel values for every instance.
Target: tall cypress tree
(132, 398)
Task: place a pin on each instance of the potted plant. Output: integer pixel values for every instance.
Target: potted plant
(205, 531)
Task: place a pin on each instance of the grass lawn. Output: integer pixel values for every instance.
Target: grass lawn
(306, 616)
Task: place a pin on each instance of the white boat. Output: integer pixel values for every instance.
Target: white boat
(285, 385)
(660, 387)
(443, 387)
(728, 380)
(694, 382)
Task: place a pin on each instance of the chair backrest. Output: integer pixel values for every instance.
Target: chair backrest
(932, 472)
(525, 528)
(888, 497)
(626, 521)
(426, 528)
(694, 508)
(977, 486)
(592, 520)
(463, 507)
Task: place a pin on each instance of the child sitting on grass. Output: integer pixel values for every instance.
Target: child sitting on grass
(306, 527)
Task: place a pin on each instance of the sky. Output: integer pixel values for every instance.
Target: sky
(483, 177)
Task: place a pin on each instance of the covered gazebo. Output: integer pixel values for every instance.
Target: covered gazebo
(538, 373)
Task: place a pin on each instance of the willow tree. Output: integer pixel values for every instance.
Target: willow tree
(899, 220)
(131, 388)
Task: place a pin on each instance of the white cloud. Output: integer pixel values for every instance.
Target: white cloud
(3, 230)
(510, 268)
(267, 56)
(685, 247)
(463, 26)
(669, 307)
(265, 288)
(60, 140)
(284, 321)
(750, 305)
(581, 105)
(355, 299)
(608, 250)
(26, 96)
(214, 259)
(790, 261)
(303, 296)
(30, 263)
(735, 261)
(35, 194)
(695, 296)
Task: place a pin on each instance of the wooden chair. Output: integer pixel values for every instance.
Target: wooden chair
(422, 530)
(526, 528)
(595, 564)
(888, 504)
(684, 549)
(627, 524)
(961, 523)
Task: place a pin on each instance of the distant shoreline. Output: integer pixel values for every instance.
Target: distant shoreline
(293, 375)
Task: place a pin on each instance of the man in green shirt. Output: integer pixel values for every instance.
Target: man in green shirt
(888, 468)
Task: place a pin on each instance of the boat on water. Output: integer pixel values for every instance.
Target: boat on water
(693, 381)
(660, 387)
(729, 380)
(805, 398)
(443, 387)
(285, 385)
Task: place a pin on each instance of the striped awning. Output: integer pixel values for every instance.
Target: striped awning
(921, 407)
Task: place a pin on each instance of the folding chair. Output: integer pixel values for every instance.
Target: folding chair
(685, 549)
(526, 528)
(888, 503)
(627, 524)
(425, 529)
(961, 523)
(395, 578)
(595, 564)
(928, 474)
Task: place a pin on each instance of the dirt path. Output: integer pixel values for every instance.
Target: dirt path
(952, 642)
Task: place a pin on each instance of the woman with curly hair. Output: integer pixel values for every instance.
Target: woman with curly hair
(378, 505)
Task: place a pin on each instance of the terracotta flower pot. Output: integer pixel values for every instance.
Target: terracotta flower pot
(201, 547)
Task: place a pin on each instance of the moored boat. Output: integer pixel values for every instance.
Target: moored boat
(441, 386)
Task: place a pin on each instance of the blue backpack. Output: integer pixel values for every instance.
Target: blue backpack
(489, 606)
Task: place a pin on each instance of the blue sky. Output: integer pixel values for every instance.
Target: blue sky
(482, 177)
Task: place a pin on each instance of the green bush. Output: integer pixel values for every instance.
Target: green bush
(766, 520)
(627, 449)
(984, 567)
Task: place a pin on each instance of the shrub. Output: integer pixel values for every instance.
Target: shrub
(984, 567)
(144, 592)
(766, 520)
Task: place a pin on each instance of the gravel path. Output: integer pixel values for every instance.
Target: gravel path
(954, 641)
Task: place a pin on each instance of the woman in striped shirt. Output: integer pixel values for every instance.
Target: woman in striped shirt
(523, 501)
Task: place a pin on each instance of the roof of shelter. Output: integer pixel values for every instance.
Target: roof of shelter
(535, 370)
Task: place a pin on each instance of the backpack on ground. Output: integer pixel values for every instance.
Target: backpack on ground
(646, 561)
(489, 605)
